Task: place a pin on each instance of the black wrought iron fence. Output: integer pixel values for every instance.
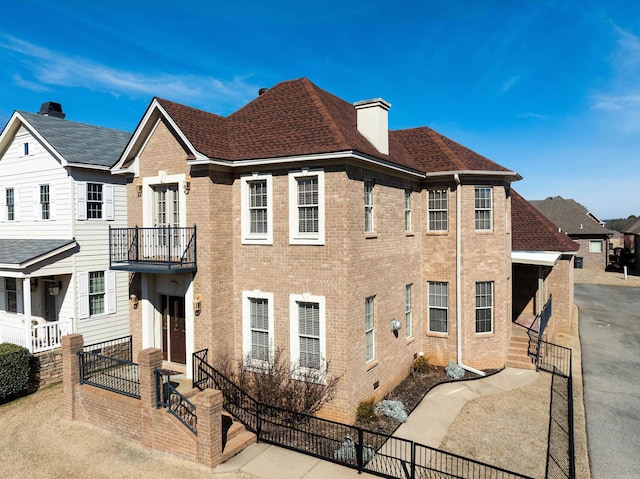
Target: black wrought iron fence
(121, 348)
(351, 446)
(176, 403)
(110, 373)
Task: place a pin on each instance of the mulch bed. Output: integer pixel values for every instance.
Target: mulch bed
(410, 392)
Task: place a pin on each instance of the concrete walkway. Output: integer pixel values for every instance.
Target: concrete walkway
(428, 424)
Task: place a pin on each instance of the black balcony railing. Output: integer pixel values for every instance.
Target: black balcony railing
(164, 249)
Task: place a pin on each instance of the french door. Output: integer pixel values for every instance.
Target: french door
(174, 346)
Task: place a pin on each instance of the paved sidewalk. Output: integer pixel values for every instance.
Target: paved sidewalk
(427, 424)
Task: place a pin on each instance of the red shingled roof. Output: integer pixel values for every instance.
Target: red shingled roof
(297, 118)
(532, 231)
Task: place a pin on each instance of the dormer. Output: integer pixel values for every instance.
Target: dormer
(373, 122)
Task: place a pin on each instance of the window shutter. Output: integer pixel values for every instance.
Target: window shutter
(81, 201)
(52, 202)
(37, 212)
(109, 213)
(3, 204)
(19, 295)
(83, 294)
(110, 293)
(2, 295)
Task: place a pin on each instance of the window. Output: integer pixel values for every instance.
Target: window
(258, 326)
(11, 292)
(595, 246)
(407, 311)
(11, 204)
(96, 293)
(438, 210)
(26, 149)
(45, 207)
(438, 307)
(307, 329)
(482, 208)
(95, 201)
(407, 210)
(484, 307)
(368, 206)
(306, 207)
(369, 323)
(257, 216)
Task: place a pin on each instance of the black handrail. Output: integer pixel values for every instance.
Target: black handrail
(177, 404)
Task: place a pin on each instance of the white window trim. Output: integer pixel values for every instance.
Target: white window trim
(369, 211)
(110, 300)
(408, 310)
(246, 325)
(247, 236)
(490, 209)
(294, 342)
(3, 297)
(148, 182)
(600, 246)
(435, 210)
(37, 206)
(295, 237)
(371, 330)
(408, 224)
(108, 212)
(436, 307)
(492, 308)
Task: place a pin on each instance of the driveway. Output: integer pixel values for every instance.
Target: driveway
(610, 340)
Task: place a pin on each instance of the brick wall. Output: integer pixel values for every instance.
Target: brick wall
(592, 260)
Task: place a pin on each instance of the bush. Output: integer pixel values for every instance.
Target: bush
(454, 371)
(364, 413)
(421, 365)
(392, 409)
(14, 369)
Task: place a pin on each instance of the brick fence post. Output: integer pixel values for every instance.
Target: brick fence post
(71, 344)
(209, 411)
(149, 360)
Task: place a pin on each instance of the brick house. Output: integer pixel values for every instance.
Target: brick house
(57, 201)
(302, 222)
(582, 226)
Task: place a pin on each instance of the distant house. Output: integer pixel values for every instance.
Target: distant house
(542, 259)
(57, 201)
(580, 225)
(631, 231)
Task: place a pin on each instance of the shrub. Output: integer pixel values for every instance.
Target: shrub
(364, 413)
(421, 365)
(14, 369)
(392, 409)
(454, 371)
(347, 451)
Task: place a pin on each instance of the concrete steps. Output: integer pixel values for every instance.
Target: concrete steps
(518, 353)
(235, 437)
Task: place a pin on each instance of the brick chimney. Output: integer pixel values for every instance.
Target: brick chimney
(373, 122)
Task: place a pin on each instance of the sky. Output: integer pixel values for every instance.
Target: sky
(550, 89)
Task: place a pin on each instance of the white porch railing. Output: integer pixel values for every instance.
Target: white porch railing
(44, 337)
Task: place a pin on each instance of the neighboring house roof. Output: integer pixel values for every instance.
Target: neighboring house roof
(73, 142)
(23, 252)
(632, 226)
(296, 118)
(570, 216)
(532, 231)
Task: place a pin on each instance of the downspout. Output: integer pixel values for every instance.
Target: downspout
(456, 177)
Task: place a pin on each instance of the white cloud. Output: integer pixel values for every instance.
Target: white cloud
(530, 114)
(52, 68)
(506, 86)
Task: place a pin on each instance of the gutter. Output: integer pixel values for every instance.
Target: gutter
(456, 177)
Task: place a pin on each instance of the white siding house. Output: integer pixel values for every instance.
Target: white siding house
(57, 202)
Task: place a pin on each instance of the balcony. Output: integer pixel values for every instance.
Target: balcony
(165, 249)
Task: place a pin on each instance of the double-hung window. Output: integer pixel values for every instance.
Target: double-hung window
(438, 307)
(307, 329)
(257, 327)
(94, 201)
(10, 203)
(96, 293)
(45, 203)
(407, 210)
(438, 210)
(11, 295)
(368, 206)
(257, 215)
(306, 207)
(483, 208)
(484, 307)
(408, 315)
(369, 325)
